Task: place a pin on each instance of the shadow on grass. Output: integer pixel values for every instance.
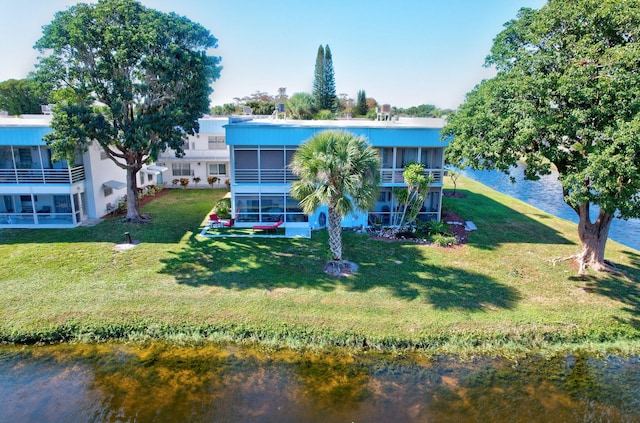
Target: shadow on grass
(624, 288)
(498, 224)
(268, 264)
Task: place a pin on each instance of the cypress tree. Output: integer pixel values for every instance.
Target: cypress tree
(361, 108)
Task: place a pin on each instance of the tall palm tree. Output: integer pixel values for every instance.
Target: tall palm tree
(339, 170)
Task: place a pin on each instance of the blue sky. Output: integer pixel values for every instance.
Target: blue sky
(404, 52)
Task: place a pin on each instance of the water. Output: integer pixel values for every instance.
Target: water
(95, 383)
(546, 194)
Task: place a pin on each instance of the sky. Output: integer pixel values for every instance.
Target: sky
(403, 52)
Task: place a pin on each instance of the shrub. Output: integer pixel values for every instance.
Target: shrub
(223, 208)
(212, 180)
(435, 227)
(444, 240)
(184, 182)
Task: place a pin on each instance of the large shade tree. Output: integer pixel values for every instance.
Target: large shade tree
(133, 79)
(566, 96)
(22, 96)
(340, 170)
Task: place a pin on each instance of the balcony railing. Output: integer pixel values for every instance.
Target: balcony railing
(42, 176)
(391, 176)
(264, 176)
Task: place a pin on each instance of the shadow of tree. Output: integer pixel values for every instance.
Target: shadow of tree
(623, 287)
(499, 224)
(248, 263)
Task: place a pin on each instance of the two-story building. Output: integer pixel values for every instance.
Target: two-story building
(261, 150)
(205, 154)
(38, 192)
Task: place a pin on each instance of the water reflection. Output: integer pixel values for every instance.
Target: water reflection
(231, 384)
(546, 194)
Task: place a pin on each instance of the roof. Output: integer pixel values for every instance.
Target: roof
(401, 133)
(432, 123)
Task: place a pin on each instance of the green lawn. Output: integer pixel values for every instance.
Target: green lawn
(499, 293)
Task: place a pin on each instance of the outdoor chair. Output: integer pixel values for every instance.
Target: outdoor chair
(229, 223)
(214, 220)
(267, 228)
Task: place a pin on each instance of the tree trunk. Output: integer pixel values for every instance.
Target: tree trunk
(593, 237)
(335, 234)
(133, 204)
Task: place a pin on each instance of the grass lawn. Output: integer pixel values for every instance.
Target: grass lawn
(499, 293)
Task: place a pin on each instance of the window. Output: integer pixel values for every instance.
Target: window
(107, 191)
(149, 177)
(141, 178)
(217, 169)
(181, 169)
(216, 142)
(103, 155)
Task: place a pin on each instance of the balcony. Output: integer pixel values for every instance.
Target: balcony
(42, 176)
(391, 176)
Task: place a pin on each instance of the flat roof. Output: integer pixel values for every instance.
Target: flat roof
(428, 123)
(26, 121)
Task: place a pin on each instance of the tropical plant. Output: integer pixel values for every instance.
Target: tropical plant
(565, 96)
(212, 180)
(301, 105)
(411, 198)
(339, 170)
(132, 79)
(184, 182)
(223, 208)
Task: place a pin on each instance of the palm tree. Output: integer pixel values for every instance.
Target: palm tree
(340, 170)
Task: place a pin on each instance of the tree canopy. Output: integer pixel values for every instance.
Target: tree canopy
(566, 96)
(22, 96)
(339, 170)
(324, 86)
(134, 79)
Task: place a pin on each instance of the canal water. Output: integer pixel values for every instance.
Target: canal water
(160, 383)
(546, 194)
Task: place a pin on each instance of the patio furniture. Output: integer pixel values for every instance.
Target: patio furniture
(267, 228)
(229, 223)
(214, 221)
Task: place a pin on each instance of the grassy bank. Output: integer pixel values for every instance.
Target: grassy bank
(499, 293)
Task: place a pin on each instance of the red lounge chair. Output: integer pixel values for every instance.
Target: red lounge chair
(267, 227)
(214, 220)
(229, 223)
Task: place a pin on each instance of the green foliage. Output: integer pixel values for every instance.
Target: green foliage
(339, 170)
(361, 108)
(565, 96)
(149, 71)
(301, 106)
(411, 199)
(435, 227)
(324, 115)
(22, 96)
(444, 240)
(223, 208)
(324, 86)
